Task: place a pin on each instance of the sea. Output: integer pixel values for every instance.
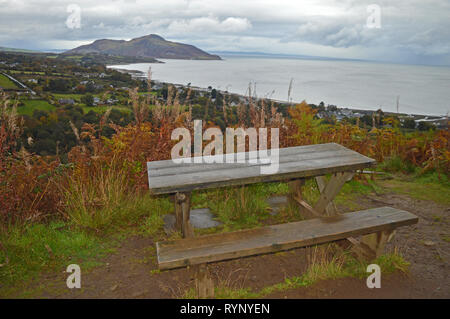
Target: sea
(354, 84)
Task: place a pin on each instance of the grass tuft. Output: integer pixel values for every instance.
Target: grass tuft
(326, 262)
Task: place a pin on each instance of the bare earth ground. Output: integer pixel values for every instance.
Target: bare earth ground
(131, 271)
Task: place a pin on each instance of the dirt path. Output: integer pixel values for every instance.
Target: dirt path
(131, 272)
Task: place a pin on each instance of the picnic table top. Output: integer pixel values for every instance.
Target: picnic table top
(294, 162)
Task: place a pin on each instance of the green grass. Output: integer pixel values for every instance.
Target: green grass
(154, 210)
(432, 186)
(396, 164)
(407, 179)
(103, 109)
(239, 207)
(31, 105)
(75, 97)
(102, 201)
(347, 195)
(86, 109)
(247, 207)
(29, 250)
(6, 83)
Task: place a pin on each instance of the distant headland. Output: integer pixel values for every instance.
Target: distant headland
(149, 46)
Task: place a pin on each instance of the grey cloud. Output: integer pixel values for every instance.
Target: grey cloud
(418, 30)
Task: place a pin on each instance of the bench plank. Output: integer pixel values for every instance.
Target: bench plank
(270, 239)
(295, 162)
(285, 151)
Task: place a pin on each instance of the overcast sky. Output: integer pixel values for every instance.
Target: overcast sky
(411, 31)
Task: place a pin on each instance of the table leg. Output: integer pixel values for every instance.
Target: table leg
(182, 214)
(295, 194)
(204, 285)
(329, 191)
(331, 208)
(369, 246)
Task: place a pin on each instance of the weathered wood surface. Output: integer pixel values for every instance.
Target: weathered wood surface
(269, 239)
(182, 214)
(294, 162)
(371, 246)
(204, 285)
(331, 189)
(321, 184)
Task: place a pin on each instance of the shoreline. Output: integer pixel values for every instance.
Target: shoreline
(417, 117)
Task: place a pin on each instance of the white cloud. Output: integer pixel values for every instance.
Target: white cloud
(209, 25)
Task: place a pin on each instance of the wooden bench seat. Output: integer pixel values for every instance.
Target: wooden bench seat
(271, 239)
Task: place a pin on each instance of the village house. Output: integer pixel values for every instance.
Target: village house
(66, 101)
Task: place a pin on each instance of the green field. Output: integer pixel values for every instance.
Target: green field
(102, 109)
(98, 109)
(7, 83)
(74, 57)
(31, 105)
(75, 97)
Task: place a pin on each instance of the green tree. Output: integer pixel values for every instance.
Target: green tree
(87, 99)
(409, 123)
(426, 126)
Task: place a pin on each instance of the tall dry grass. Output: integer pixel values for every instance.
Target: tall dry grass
(104, 169)
(95, 200)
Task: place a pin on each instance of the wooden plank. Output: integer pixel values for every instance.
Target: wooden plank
(269, 239)
(233, 176)
(305, 149)
(295, 191)
(308, 207)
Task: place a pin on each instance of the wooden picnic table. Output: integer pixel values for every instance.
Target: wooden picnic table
(295, 165)
(367, 231)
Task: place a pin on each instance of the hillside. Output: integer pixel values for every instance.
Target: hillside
(5, 49)
(150, 46)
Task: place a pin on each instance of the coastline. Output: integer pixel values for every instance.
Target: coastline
(341, 111)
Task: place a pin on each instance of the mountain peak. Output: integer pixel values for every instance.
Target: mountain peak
(154, 36)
